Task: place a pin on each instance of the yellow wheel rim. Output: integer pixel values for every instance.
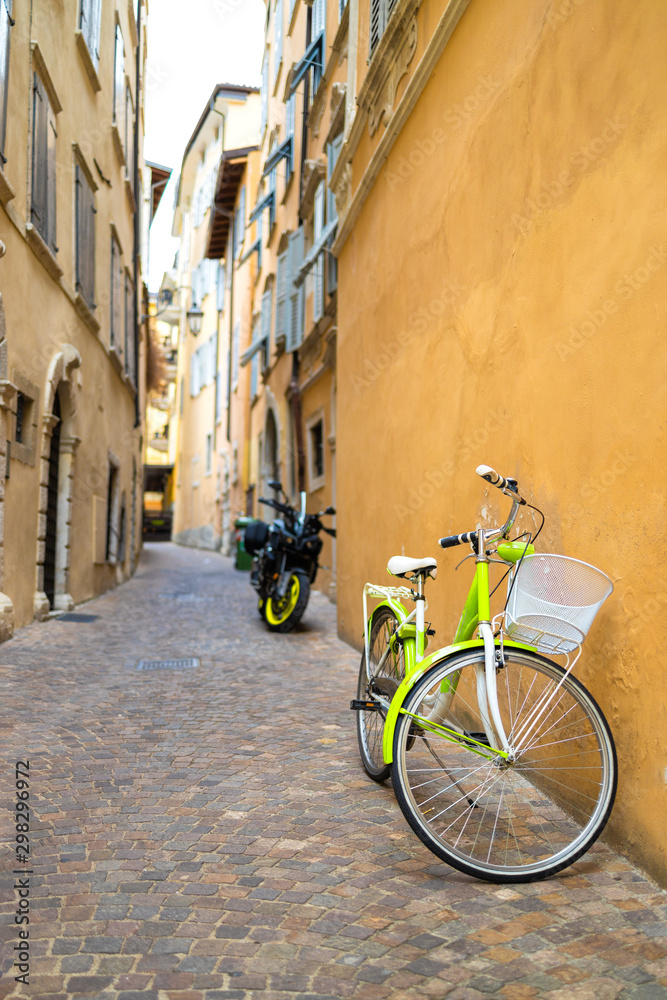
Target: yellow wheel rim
(278, 613)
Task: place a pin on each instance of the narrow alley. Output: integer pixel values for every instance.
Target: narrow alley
(207, 831)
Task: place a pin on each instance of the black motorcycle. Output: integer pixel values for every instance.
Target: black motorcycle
(285, 563)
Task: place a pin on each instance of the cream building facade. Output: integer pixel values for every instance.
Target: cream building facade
(71, 357)
(211, 202)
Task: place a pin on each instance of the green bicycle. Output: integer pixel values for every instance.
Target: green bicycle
(502, 762)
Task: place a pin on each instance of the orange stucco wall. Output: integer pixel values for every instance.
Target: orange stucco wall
(502, 300)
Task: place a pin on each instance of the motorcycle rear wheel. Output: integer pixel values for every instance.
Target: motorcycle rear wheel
(283, 616)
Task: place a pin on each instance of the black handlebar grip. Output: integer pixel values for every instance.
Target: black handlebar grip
(449, 541)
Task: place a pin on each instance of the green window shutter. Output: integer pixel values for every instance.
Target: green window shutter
(281, 296)
(267, 306)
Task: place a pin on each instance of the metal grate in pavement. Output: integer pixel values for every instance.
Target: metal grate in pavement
(183, 664)
(75, 616)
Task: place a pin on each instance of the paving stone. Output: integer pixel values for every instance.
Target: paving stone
(194, 841)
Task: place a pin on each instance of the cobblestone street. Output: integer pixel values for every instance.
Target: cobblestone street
(209, 832)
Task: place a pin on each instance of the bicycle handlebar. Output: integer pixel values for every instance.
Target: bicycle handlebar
(508, 486)
(449, 541)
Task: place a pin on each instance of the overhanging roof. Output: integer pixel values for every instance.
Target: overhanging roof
(230, 172)
(159, 179)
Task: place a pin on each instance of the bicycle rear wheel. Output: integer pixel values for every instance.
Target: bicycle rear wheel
(505, 820)
(387, 670)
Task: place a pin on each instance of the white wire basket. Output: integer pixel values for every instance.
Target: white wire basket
(554, 601)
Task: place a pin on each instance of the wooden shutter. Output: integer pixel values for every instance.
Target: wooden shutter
(51, 135)
(116, 296)
(40, 124)
(318, 269)
(281, 295)
(90, 26)
(265, 92)
(5, 32)
(221, 287)
(267, 306)
(85, 237)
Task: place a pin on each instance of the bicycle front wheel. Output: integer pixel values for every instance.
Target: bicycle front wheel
(515, 819)
(378, 681)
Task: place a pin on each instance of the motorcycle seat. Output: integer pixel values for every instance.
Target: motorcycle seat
(404, 566)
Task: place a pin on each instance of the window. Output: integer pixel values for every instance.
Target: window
(281, 297)
(239, 223)
(294, 318)
(5, 31)
(112, 528)
(118, 77)
(43, 199)
(85, 236)
(221, 287)
(20, 417)
(89, 23)
(130, 334)
(333, 150)
(318, 267)
(129, 136)
(117, 288)
(209, 454)
(236, 338)
(380, 14)
(315, 448)
(265, 93)
(278, 37)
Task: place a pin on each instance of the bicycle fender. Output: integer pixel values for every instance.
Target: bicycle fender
(394, 605)
(446, 653)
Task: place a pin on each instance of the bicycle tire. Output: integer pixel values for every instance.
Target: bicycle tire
(370, 725)
(495, 820)
(284, 616)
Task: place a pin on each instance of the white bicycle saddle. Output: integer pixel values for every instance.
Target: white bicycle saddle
(404, 566)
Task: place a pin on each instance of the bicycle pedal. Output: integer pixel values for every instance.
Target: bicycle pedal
(364, 706)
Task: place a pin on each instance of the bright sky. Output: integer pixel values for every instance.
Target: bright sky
(191, 47)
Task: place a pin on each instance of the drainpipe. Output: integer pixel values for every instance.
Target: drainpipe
(295, 403)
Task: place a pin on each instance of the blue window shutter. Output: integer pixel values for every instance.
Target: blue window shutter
(296, 294)
(278, 36)
(267, 308)
(281, 295)
(318, 226)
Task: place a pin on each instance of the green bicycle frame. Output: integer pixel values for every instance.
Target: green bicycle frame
(476, 609)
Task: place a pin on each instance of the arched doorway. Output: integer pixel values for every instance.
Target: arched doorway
(58, 447)
(270, 454)
(51, 539)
